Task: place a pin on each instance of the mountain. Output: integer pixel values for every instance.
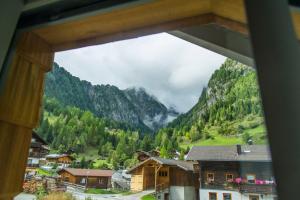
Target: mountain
(133, 106)
(228, 111)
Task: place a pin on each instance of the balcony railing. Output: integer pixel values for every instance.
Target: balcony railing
(242, 187)
(260, 189)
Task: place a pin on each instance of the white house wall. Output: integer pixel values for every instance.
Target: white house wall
(182, 193)
(261, 197)
(204, 195)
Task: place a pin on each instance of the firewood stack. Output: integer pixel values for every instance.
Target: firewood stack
(32, 186)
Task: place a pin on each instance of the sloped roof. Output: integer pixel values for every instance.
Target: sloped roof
(38, 138)
(185, 165)
(58, 156)
(88, 172)
(258, 153)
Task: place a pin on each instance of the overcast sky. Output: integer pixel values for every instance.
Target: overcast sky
(173, 70)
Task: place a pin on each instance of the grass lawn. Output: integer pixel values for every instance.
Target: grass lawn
(43, 172)
(103, 191)
(252, 126)
(148, 197)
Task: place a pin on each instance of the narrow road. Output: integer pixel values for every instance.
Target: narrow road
(24, 196)
(83, 196)
(137, 196)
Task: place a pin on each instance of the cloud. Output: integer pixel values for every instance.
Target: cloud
(173, 70)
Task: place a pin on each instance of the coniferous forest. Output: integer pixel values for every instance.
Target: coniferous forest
(103, 126)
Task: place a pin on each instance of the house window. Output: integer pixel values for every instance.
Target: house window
(253, 197)
(229, 177)
(101, 181)
(227, 196)
(83, 180)
(210, 177)
(163, 173)
(213, 196)
(251, 178)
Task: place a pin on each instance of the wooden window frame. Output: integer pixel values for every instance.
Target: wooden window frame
(254, 196)
(229, 174)
(209, 193)
(101, 180)
(250, 175)
(163, 173)
(208, 179)
(229, 194)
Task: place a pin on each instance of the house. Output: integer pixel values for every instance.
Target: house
(234, 172)
(144, 155)
(63, 160)
(90, 178)
(171, 179)
(37, 152)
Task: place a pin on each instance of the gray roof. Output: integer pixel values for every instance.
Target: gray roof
(185, 165)
(258, 153)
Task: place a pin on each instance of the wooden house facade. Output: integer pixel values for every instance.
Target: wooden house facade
(63, 160)
(89, 178)
(167, 177)
(37, 152)
(234, 172)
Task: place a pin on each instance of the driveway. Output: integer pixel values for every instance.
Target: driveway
(137, 196)
(83, 196)
(24, 196)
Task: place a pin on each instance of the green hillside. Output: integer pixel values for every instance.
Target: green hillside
(228, 112)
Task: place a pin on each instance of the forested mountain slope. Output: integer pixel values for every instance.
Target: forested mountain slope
(70, 129)
(229, 111)
(75, 117)
(133, 106)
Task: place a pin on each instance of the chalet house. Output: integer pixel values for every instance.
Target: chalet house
(90, 178)
(234, 172)
(63, 160)
(144, 155)
(37, 152)
(171, 179)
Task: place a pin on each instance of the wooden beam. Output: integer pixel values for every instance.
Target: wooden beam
(147, 18)
(122, 20)
(19, 109)
(156, 171)
(138, 32)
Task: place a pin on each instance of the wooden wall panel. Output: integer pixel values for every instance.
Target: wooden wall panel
(20, 108)
(23, 90)
(14, 145)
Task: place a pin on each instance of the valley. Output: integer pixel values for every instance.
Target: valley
(103, 126)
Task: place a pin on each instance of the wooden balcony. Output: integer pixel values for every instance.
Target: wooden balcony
(243, 187)
(259, 189)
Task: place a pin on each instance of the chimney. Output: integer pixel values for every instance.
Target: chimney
(239, 149)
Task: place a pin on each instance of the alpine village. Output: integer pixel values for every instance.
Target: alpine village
(101, 140)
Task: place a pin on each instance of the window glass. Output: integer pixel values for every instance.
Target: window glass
(229, 177)
(210, 177)
(226, 196)
(253, 197)
(213, 196)
(250, 178)
(83, 180)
